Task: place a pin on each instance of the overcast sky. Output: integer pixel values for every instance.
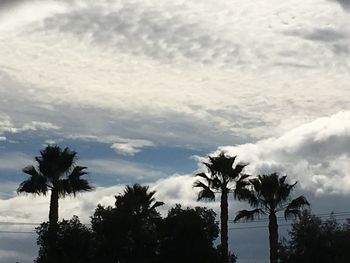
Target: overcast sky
(143, 89)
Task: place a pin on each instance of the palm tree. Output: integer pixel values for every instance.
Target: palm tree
(138, 201)
(56, 173)
(137, 208)
(269, 194)
(221, 178)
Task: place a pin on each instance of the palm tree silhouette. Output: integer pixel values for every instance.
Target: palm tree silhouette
(221, 178)
(138, 201)
(269, 194)
(56, 173)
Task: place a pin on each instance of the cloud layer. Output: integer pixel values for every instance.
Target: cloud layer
(183, 73)
(316, 154)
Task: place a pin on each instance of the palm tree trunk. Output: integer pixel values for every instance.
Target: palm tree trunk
(53, 213)
(273, 237)
(52, 255)
(224, 230)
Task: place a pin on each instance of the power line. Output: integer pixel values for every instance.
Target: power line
(17, 232)
(337, 215)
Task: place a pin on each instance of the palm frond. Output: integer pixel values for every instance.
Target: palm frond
(242, 190)
(66, 160)
(204, 176)
(30, 170)
(248, 214)
(36, 184)
(235, 172)
(74, 183)
(294, 208)
(205, 193)
(156, 204)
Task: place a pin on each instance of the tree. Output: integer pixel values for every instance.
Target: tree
(269, 194)
(74, 242)
(313, 240)
(56, 173)
(187, 236)
(128, 232)
(221, 178)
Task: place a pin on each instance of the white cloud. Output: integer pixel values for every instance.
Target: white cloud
(7, 125)
(16, 13)
(174, 189)
(316, 154)
(37, 125)
(130, 147)
(78, 62)
(123, 146)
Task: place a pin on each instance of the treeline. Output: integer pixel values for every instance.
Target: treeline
(132, 231)
(313, 240)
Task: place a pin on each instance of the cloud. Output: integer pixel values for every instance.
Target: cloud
(37, 125)
(146, 29)
(7, 126)
(17, 13)
(316, 154)
(5, 123)
(130, 147)
(173, 189)
(122, 146)
(321, 34)
(345, 4)
(96, 60)
(9, 255)
(120, 171)
(14, 160)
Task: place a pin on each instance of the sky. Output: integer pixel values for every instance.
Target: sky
(143, 90)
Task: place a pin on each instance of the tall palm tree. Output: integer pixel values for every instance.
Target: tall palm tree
(270, 194)
(57, 173)
(222, 177)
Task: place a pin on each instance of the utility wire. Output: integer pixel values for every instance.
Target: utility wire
(323, 215)
(336, 215)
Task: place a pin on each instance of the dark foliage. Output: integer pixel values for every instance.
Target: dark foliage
(127, 232)
(74, 242)
(187, 235)
(315, 241)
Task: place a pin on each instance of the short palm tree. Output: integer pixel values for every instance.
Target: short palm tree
(270, 194)
(56, 173)
(222, 177)
(138, 201)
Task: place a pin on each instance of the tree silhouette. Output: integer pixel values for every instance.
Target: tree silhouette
(187, 236)
(128, 232)
(74, 242)
(56, 173)
(313, 240)
(269, 194)
(221, 178)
